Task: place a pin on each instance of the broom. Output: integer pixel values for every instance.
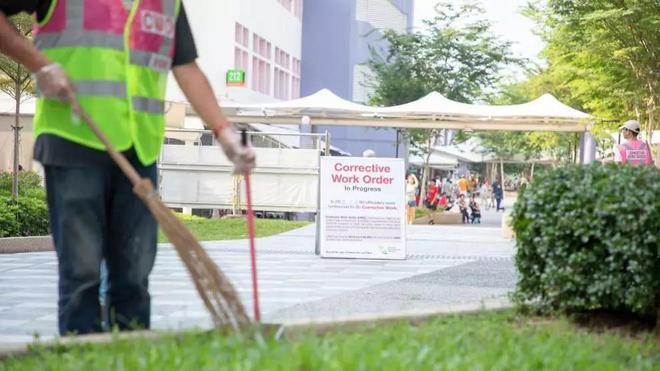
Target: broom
(250, 225)
(215, 289)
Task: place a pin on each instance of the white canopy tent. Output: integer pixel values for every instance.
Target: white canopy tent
(432, 111)
(323, 103)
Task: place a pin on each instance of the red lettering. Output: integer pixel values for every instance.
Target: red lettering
(375, 168)
(336, 178)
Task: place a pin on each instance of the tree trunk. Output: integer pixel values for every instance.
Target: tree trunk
(651, 126)
(493, 172)
(17, 129)
(531, 171)
(651, 121)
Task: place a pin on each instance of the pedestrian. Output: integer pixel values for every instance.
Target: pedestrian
(113, 59)
(446, 186)
(463, 185)
(463, 209)
(432, 195)
(498, 193)
(475, 211)
(473, 184)
(411, 196)
(486, 195)
(634, 151)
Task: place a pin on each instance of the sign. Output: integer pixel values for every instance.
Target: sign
(363, 208)
(235, 78)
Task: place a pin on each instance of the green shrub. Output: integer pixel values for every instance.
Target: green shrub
(33, 216)
(27, 181)
(587, 239)
(9, 225)
(23, 217)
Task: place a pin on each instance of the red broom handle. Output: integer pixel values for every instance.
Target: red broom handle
(250, 226)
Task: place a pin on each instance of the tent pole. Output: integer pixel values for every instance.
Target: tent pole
(397, 143)
(502, 172)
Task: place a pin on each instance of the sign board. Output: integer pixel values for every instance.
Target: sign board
(362, 208)
(235, 78)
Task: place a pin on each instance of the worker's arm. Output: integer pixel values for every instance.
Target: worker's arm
(19, 48)
(199, 93)
(51, 79)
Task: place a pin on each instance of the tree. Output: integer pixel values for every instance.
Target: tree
(456, 55)
(17, 83)
(603, 55)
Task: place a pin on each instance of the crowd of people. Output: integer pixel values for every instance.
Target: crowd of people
(470, 195)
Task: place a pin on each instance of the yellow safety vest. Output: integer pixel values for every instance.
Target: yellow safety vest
(119, 60)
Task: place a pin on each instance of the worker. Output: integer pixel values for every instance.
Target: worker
(634, 151)
(113, 58)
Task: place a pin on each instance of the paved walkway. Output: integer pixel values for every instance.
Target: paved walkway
(294, 282)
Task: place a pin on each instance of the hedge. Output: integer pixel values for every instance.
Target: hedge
(27, 180)
(588, 239)
(23, 217)
(28, 215)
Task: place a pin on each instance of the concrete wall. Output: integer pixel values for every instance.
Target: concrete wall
(334, 43)
(213, 25)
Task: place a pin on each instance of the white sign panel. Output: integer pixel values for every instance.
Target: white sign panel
(363, 208)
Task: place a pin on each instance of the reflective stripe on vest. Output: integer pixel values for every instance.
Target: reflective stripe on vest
(118, 61)
(79, 38)
(149, 105)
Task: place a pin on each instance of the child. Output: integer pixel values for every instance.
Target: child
(476, 212)
(462, 207)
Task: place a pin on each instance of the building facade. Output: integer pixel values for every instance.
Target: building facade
(336, 40)
(262, 38)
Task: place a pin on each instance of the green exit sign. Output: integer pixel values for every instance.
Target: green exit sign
(235, 78)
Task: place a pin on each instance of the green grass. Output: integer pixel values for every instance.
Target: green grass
(486, 341)
(423, 211)
(233, 229)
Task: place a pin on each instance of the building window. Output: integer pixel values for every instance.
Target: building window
(242, 48)
(242, 36)
(240, 59)
(295, 78)
(381, 14)
(281, 75)
(261, 64)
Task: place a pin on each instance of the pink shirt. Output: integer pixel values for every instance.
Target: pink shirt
(634, 152)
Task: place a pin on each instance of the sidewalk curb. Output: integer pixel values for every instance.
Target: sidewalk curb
(287, 329)
(14, 245)
(411, 316)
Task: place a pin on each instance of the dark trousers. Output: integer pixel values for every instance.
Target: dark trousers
(499, 202)
(94, 215)
(466, 216)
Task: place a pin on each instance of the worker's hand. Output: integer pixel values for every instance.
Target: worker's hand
(243, 157)
(54, 83)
